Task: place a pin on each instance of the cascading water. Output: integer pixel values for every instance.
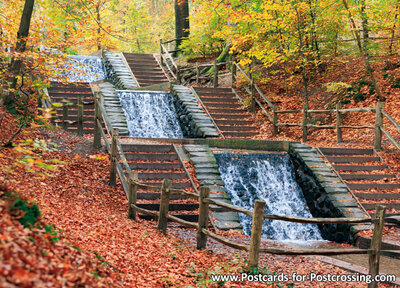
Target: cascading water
(268, 177)
(150, 114)
(84, 69)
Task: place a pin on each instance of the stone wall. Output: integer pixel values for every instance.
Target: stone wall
(326, 195)
(195, 123)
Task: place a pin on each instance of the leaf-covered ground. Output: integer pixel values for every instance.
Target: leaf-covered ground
(74, 197)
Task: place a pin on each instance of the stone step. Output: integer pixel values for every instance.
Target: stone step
(175, 185)
(171, 206)
(367, 186)
(366, 176)
(240, 134)
(232, 117)
(212, 90)
(346, 151)
(155, 166)
(378, 196)
(350, 159)
(161, 175)
(372, 206)
(236, 128)
(147, 148)
(156, 196)
(356, 168)
(151, 156)
(187, 217)
(213, 105)
(231, 99)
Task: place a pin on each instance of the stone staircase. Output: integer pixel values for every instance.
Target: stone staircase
(207, 173)
(113, 107)
(118, 71)
(230, 116)
(365, 173)
(146, 69)
(70, 92)
(154, 162)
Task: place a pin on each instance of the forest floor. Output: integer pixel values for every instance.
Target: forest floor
(91, 242)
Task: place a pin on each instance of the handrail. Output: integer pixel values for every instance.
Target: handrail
(206, 110)
(391, 120)
(169, 56)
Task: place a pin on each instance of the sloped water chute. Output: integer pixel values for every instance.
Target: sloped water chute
(83, 69)
(150, 114)
(268, 177)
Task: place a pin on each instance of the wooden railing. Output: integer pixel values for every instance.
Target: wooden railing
(118, 162)
(64, 121)
(168, 62)
(255, 93)
(254, 248)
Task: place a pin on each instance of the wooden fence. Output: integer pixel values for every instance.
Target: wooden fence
(118, 163)
(64, 121)
(254, 248)
(257, 98)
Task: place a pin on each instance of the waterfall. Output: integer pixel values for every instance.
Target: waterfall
(150, 114)
(268, 177)
(84, 69)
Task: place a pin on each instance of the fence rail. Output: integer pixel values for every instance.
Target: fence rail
(254, 247)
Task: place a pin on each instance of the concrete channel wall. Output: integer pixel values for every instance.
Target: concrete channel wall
(326, 196)
(194, 121)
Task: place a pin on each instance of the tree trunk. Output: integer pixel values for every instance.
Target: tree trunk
(363, 53)
(23, 32)
(98, 28)
(394, 29)
(364, 23)
(182, 26)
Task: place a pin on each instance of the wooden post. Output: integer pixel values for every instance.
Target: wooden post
(197, 73)
(133, 176)
(164, 205)
(178, 75)
(80, 115)
(233, 72)
(338, 123)
(256, 231)
(376, 244)
(378, 126)
(161, 53)
(275, 120)
(65, 115)
(113, 157)
(252, 96)
(215, 74)
(97, 116)
(305, 130)
(203, 218)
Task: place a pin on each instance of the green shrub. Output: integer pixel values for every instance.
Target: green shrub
(31, 210)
